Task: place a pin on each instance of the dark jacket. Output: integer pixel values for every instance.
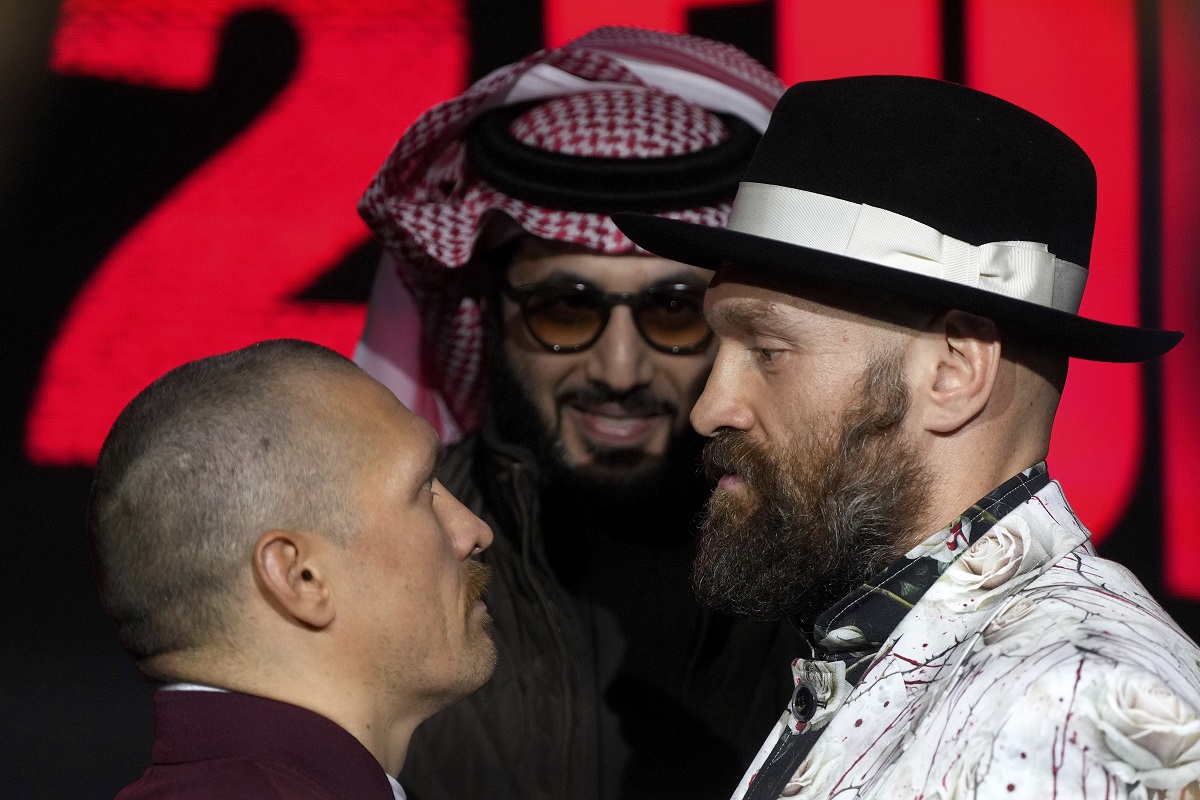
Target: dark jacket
(221, 745)
(570, 714)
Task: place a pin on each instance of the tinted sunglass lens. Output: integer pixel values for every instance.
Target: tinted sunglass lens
(566, 317)
(674, 319)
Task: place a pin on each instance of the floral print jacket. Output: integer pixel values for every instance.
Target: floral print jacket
(1026, 667)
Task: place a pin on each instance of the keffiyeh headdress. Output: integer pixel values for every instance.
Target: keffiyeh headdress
(619, 119)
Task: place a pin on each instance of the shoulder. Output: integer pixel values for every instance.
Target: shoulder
(1099, 607)
(1076, 709)
(1079, 679)
(1034, 574)
(1094, 606)
(1062, 670)
(218, 744)
(1071, 613)
(1080, 685)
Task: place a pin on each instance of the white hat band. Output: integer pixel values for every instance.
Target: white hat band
(1021, 270)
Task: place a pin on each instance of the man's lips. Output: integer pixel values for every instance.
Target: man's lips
(731, 481)
(610, 424)
(477, 581)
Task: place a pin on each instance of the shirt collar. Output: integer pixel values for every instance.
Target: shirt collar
(854, 628)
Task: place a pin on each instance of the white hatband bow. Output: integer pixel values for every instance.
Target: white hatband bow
(1022, 270)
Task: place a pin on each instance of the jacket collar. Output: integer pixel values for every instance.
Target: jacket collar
(192, 726)
(854, 628)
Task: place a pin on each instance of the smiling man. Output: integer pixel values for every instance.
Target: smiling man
(277, 553)
(610, 353)
(895, 312)
(577, 358)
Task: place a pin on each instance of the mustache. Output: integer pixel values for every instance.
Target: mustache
(733, 452)
(478, 576)
(640, 400)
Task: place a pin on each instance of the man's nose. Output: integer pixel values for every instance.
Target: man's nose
(721, 404)
(468, 533)
(620, 358)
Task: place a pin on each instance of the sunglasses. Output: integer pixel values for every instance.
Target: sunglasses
(567, 317)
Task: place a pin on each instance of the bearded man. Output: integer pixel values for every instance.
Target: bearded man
(895, 312)
(612, 679)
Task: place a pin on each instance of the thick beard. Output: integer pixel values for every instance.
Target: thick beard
(823, 513)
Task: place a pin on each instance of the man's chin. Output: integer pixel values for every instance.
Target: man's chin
(623, 489)
(609, 478)
(610, 465)
(731, 508)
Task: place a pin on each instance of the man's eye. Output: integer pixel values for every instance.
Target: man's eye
(764, 354)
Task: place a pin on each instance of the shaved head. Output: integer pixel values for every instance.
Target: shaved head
(196, 467)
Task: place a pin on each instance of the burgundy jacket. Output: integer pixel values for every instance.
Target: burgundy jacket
(223, 745)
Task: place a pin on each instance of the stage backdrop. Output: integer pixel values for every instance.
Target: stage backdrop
(178, 178)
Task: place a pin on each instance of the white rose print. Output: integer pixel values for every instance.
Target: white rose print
(1017, 626)
(1007, 550)
(1153, 735)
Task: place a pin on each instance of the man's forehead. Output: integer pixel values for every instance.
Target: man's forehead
(753, 308)
(620, 271)
(417, 436)
(405, 441)
(730, 310)
(375, 413)
(870, 307)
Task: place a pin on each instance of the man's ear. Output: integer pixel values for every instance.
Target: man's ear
(289, 569)
(962, 353)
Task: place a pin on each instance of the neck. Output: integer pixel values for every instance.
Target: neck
(966, 474)
(1010, 434)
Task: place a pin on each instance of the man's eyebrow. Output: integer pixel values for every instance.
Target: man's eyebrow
(434, 463)
(555, 276)
(754, 316)
(433, 460)
(564, 275)
(683, 276)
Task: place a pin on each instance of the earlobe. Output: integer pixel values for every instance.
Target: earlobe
(967, 359)
(289, 571)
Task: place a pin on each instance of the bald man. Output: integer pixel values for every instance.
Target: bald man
(276, 551)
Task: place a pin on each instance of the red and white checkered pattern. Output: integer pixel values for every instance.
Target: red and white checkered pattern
(619, 123)
(431, 210)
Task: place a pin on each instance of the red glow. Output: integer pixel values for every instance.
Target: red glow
(212, 267)
(566, 19)
(817, 39)
(1074, 63)
(1181, 293)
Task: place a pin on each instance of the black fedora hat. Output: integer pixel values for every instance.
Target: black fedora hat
(919, 188)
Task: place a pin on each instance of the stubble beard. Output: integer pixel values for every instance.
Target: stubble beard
(819, 514)
(482, 652)
(474, 661)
